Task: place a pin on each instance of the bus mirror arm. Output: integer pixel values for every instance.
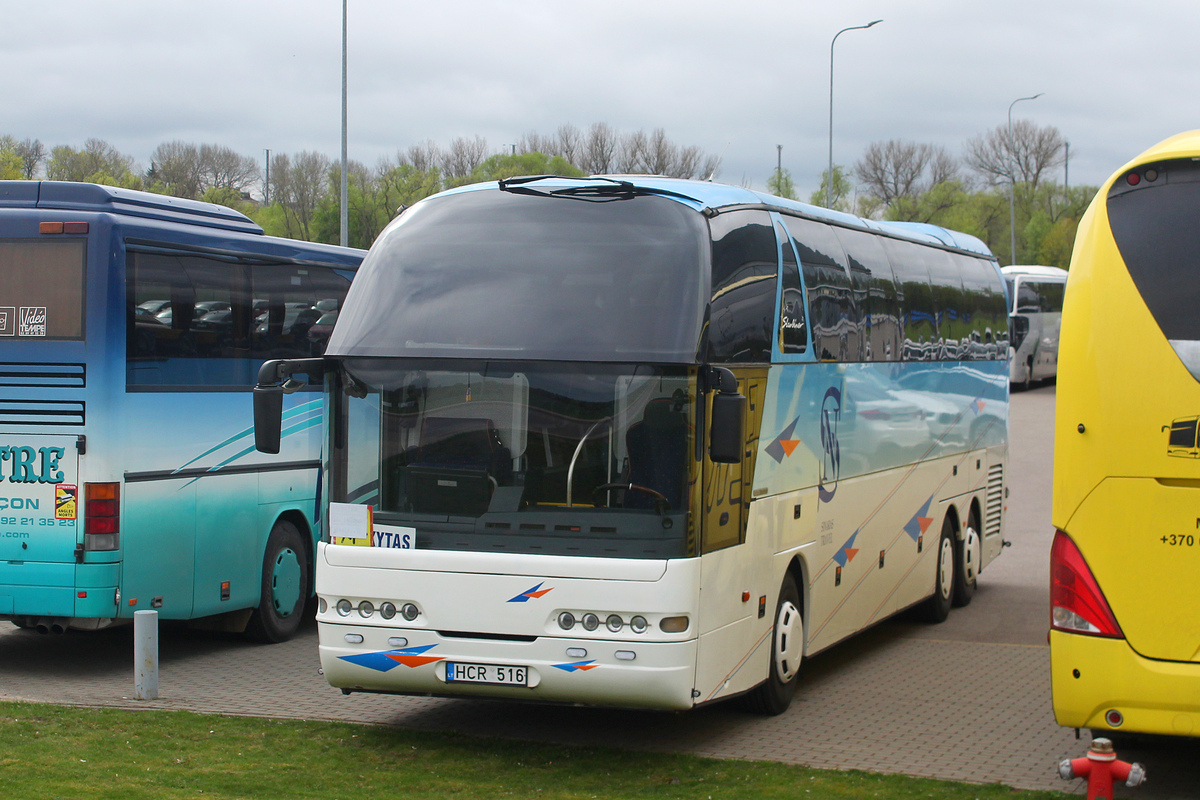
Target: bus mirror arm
(727, 436)
(274, 381)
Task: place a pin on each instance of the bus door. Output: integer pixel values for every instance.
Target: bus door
(39, 509)
(733, 571)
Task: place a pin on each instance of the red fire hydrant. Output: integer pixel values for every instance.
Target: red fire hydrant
(1102, 769)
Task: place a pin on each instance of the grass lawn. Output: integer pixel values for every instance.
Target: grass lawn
(49, 752)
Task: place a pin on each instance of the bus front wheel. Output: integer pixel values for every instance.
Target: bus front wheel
(284, 586)
(774, 695)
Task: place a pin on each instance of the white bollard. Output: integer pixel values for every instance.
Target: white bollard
(145, 655)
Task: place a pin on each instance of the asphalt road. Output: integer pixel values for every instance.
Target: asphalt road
(965, 700)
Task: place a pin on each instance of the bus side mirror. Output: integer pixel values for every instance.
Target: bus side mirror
(727, 436)
(274, 381)
(268, 418)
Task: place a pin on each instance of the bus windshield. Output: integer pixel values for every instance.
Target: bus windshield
(548, 458)
(490, 274)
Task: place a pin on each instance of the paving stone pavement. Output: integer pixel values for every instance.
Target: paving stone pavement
(965, 700)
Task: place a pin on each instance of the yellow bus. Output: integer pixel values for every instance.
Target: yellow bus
(1125, 632)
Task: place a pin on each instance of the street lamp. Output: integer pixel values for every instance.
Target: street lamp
(1012, 185)
(345, 198)
(829, 187)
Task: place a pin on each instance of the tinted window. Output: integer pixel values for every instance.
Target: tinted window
(1029, 297)
(986, 310)
(41, 289)
(833, 313)
(919, 316)
(202, 320)
(1052, 297)
(793, 316)
(498, 274)
(875, 292)
(744, 265)
(1154, 225)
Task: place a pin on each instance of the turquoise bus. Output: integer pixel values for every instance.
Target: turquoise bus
(642, 442)
(132, 327)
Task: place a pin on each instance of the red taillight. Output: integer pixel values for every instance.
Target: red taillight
(101, 516)
(1076, 603)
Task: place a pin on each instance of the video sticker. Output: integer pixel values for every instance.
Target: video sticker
(8, 321)
(66, 501)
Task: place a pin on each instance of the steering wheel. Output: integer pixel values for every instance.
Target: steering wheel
(631, 487)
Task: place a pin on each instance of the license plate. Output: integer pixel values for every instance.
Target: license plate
(495, 674)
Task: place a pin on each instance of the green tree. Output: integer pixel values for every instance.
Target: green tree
(97, 162)
(842, 187)
(780, 184)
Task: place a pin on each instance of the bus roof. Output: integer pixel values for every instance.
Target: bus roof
(713, 197)
(91, 197)
(1035, 271)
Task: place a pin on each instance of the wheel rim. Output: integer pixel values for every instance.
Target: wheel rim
(789, 641)
(972, 552)
(946, 568)
(285, 582)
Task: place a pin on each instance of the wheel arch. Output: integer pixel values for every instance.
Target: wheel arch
(300, 522)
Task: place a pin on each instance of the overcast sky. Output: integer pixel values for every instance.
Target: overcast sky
(733, 78)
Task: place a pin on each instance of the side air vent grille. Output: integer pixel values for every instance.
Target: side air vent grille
(43, 376)
(995, 500)
(41, 412)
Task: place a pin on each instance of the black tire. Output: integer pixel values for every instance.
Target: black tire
(968, 554)
(774, 695)
(937, 607)
(285, 584)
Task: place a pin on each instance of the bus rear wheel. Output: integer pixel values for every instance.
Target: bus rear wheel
(774, 695)
(967, 556)
(284, 589)
(937, 607)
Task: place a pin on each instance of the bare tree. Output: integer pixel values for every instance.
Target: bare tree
(32, 153)
(463, 156)
(175, 169)
(568, 143)
(222, 168)
(1020, 155)
(298, 184)
(421, 157)
(631, 151)
(599, 149)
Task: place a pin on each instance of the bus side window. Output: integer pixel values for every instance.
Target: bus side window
(833, 313)
(918, 314)
(745, 261)
(876, 293)
(793, 317)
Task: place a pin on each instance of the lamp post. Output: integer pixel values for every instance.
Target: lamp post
(345, 200)
(1012, 185)
(829, 186)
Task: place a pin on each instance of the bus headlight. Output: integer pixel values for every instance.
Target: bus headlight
(387, 610)
(344, 607)
(614, 623)
(409, 611)
(366, 608)
(590, 621)
(638, 624)
(566, 620)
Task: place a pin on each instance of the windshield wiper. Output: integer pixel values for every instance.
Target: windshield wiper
(604, 190)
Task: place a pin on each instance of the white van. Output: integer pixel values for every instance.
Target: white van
(1035, 295)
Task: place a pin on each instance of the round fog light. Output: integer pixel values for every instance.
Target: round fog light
(566, 620)
(343, 607)
(590, 622)
(638, 624)
(387, 610)
(409, 611)
(366, 608)
(614, 623)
